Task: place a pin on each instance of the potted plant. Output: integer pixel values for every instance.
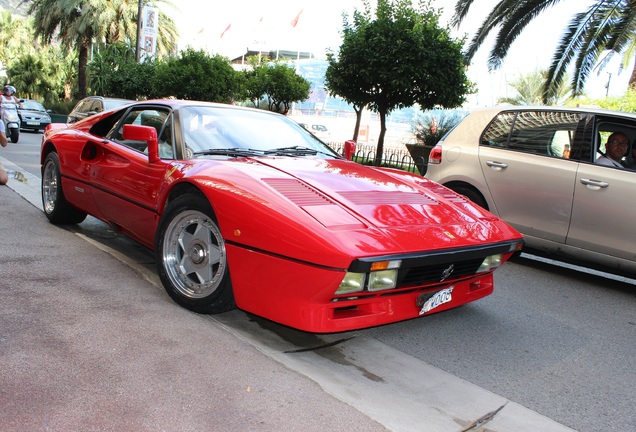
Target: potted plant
(429, 128)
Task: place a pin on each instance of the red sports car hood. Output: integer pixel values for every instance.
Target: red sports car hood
(410, 210)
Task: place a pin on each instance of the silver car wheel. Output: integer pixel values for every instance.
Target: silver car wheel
(49, 186)
(194, 254)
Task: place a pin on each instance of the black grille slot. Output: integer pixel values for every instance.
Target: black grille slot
(434, 273)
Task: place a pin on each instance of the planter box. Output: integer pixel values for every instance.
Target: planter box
(419, 154)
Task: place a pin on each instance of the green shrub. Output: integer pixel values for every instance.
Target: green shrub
(430, 126)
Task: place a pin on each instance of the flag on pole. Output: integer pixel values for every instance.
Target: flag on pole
(295, 20)
(226, 29)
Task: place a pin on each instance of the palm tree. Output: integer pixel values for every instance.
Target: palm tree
(529, 90)
(606, 28)
(81, 23)
(14, 36)
(29, 75)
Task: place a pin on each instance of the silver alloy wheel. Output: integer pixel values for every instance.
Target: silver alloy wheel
(194, 254)
(49, 186)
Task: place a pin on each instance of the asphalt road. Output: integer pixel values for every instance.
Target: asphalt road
(555, 339)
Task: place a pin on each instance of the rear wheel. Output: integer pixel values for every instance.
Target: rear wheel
(55, 206)
(191, 257)
(472, 195)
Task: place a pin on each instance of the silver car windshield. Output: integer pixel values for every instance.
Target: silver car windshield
(209, 129)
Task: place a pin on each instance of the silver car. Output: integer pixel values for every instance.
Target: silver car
(536, 169)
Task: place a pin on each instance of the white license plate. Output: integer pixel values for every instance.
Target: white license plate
(30, 123)
(438, 299)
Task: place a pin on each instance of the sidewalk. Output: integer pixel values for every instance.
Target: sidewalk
(88, 345)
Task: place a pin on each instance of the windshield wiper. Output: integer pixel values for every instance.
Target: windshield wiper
(234, 152)
(292, 151)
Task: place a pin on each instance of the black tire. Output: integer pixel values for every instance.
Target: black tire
(55, 206)
(471, 195)
(14, 135)
(191, 258)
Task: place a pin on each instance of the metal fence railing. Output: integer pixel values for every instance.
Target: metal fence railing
(391, 157)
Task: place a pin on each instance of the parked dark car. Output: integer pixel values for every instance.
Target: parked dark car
(33, 115)
(94, 104)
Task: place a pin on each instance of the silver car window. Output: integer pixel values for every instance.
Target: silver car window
(547, 133)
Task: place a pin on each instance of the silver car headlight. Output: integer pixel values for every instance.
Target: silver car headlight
(382, 280)
(352, 282)
(490, 263)
(382, 276)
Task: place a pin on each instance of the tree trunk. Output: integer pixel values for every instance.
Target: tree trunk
(380, 150)
(356, 129)
(632, 79)
(81, 70)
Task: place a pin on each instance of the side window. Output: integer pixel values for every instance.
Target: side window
(545, 133)
(145, 117)
(605, 128)
(94, 106)
(166, 147)
(497, 133)
(81, 106)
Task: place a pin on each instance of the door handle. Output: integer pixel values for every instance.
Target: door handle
(497, 166)
(594, 184)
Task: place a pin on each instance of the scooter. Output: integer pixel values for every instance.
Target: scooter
(11, 121)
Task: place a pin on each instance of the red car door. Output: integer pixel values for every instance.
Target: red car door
(126, 185)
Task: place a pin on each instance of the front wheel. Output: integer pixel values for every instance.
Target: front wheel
(191, 256)
(55, 206)
(14, 134)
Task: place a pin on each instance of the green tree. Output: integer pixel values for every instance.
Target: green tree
(253, 85)
(132, 81)
(106, 60)
(28, 73)
(274, 82)
(341, 78)
(15, 37)
(283, 86)
(195, 75)
(624, 103)
(78, 23)
(403, 58)
(529, 90)
(606, 28)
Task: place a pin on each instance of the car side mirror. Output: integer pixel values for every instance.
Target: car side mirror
(349, 149)
(144, 133)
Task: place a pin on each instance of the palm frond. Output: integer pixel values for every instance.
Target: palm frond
(519, 15)
(461, 10)
(571, 43)
(496, 16)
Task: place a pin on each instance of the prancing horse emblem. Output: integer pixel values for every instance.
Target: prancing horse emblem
(447, 272)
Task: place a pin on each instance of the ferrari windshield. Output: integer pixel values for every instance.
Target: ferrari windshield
(206, 130)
